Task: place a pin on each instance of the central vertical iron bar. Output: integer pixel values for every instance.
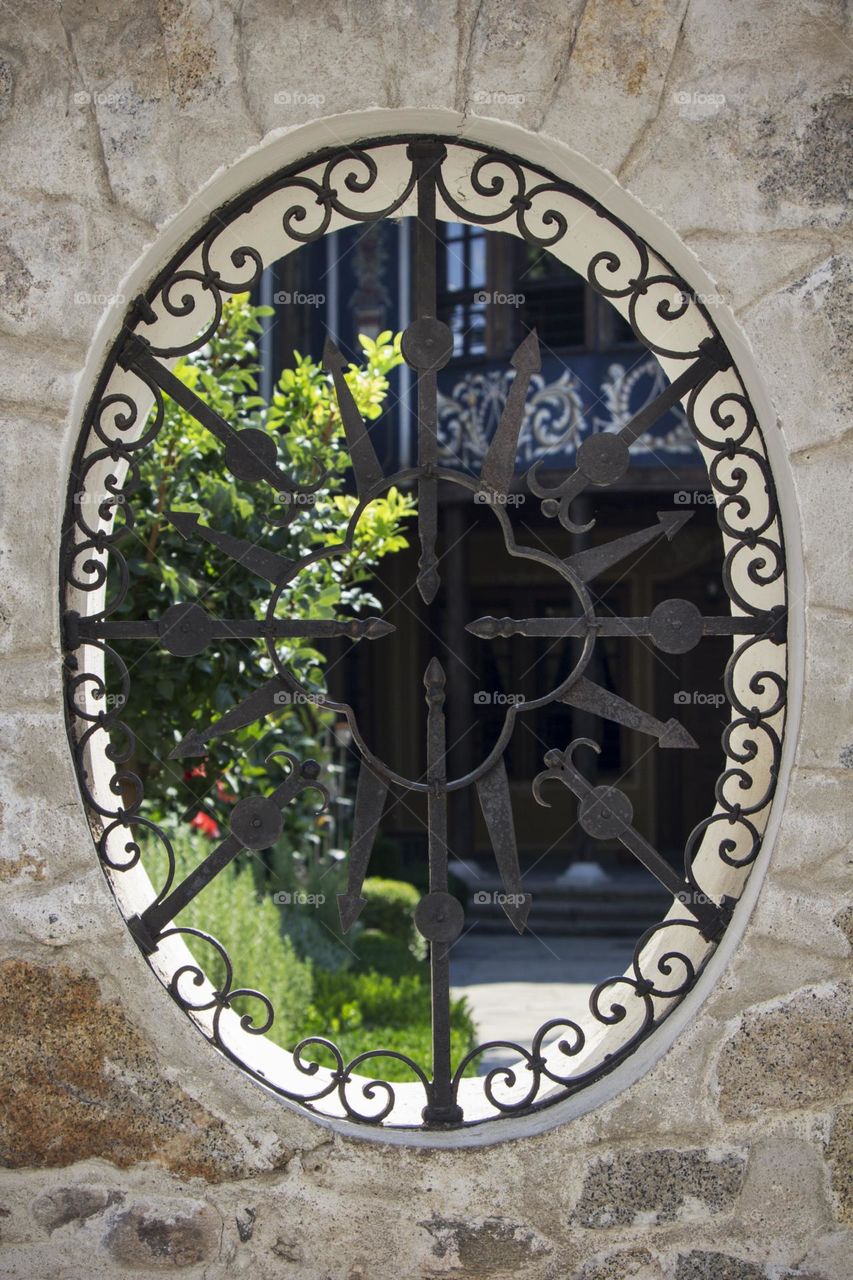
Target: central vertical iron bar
(441, 1108)
(425, 158)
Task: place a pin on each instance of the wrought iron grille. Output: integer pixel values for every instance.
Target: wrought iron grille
(430, 178)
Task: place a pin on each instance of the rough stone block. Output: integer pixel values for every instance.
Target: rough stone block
(802, 345)
(816, 835)
(796, 1054)
(61, 266)
(703, 1264)
(80, 1082)
(645, 1188)
(165, 1233)
(784, 1198)
(839, 1154)
(821, 478)
(826, 728)
(38, 375)
(516, 57)
(749, 278)
(41, 92)
(787, 914)
(625, 1264)
(612, 84)
(779, 139)
(75, 1204)
(486, 1246)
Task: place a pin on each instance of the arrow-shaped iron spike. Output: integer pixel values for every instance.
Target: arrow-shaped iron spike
(603, 458)
(150, 924)
(365, 464)
(606, 806)
(369, 806)
(589, 564)
(259, 703)
(496, 803)
(770, 623)
(266, 564)
(499, 463)
(206, 629)
(250, 454)
(584, 695)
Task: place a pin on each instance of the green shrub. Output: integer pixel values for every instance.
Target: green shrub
(391, 909)
(364, 1011)
(313, 941)
(384, 954)
(249, 928)
(384, 1003)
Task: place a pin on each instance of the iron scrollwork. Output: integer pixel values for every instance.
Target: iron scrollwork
(434, 178)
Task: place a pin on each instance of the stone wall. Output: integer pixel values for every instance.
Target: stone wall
(128, 1146)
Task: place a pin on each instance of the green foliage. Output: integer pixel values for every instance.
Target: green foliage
(286, 949)
(365, 1011)
(184, 470)
(385, 1003)
(248, 925)
(390, 908)
(382, 953)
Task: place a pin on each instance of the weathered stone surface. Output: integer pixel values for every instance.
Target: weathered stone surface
(701, 1264)
(626, 1264)
(839, 1153)
(484, 1247)
(783, 912)
(816, 838)
(726, 109)
(61, 1205)
(746, 275)
(38, 761)
(38, 375)
(124, 88)
(167, 1234)
(516, 57)
(650, 1187)
(79, 1082)
(767, 968)
(827, 723)
(353, 58)
(29, 865)
(670, 1105)
(821, 480)
(796, 1054)
(64, 282)
(784, 1192)
(28, 565)
(57, 917)
(612, 85)
(40, 86)
(844, 923)
(827, 1259)
(803, 346)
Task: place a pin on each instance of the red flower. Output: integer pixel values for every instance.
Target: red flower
(203, 822)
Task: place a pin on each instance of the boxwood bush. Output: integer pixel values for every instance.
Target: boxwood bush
(382, 1002)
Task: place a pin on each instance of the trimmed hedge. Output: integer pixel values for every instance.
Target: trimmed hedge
(391, 909)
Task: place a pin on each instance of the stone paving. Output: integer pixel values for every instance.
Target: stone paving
(515, 984)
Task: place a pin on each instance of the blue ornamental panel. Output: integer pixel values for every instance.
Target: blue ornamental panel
(565, 405)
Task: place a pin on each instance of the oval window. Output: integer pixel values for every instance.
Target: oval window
(425, 599)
